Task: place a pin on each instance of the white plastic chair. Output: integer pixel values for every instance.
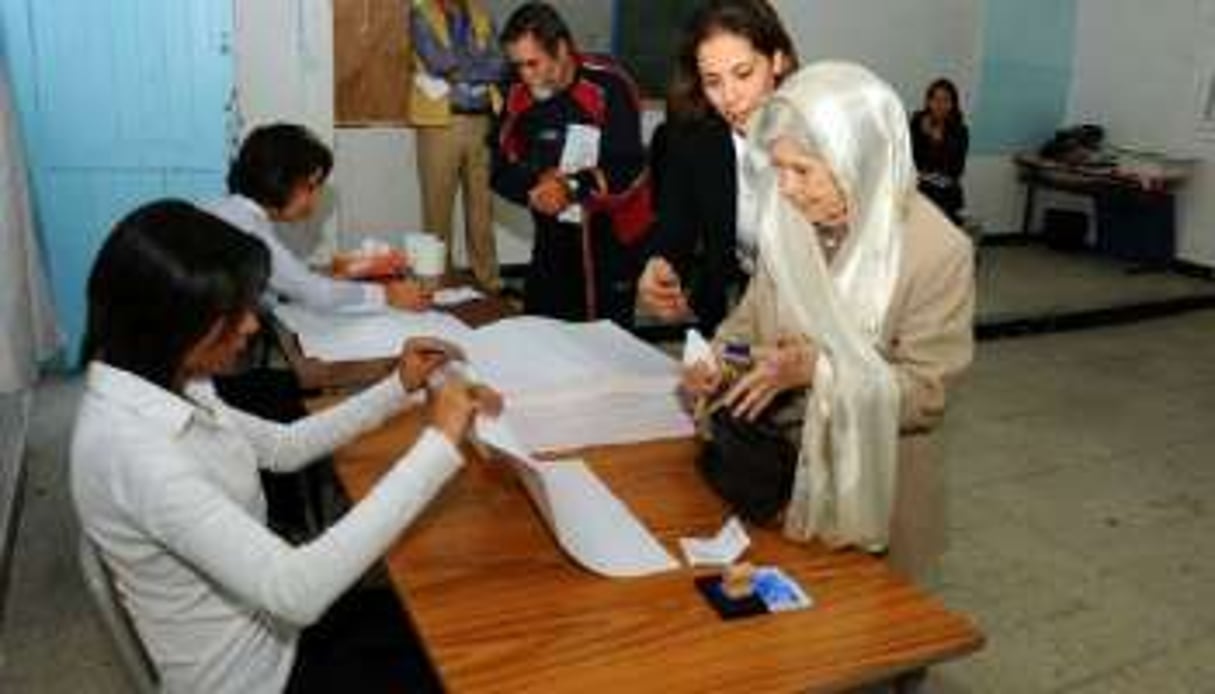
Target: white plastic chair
(135, 660)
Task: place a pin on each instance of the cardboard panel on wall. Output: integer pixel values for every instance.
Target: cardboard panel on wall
(372, 62)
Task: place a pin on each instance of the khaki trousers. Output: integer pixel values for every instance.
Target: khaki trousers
(457, 156)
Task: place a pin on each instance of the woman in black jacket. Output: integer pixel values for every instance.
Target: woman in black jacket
(732, 57)
(939, 142)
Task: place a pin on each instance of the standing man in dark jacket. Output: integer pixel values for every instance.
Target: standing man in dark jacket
(568, 146)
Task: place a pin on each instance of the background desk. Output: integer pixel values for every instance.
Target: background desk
(500, 608)
(1134, 222)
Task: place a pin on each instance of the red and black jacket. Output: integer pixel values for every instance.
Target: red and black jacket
(530, 138)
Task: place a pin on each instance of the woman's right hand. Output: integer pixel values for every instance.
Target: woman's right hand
(659, 291)
(452, 406)
(701, 379)
(408, 295)
(421, 357)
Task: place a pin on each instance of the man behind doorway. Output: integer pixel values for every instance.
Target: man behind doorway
(568, 146)
(456, 70)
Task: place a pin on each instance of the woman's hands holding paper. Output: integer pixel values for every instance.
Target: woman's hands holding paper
(784, 366)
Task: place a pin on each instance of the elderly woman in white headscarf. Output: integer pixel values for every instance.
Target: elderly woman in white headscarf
(862, 306)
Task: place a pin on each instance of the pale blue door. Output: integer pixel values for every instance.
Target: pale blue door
(121, 102)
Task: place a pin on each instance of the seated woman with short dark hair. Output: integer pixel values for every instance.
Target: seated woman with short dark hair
(164, 475)
(278, 177)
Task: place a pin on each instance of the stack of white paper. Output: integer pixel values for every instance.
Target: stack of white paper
(590, 523)
(566, 385)
(569, 385)
(358, 336)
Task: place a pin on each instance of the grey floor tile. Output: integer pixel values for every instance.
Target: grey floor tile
(1186, 669)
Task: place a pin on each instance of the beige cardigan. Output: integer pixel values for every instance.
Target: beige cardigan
(928, 338)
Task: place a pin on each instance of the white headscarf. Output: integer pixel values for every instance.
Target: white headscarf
(844, 488)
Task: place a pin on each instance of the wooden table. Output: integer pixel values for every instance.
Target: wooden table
(500, 608)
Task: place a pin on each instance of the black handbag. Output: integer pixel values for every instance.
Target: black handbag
(750, 465)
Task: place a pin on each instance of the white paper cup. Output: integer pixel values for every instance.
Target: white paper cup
(429, 258)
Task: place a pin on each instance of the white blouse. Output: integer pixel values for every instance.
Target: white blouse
(746, 242)
(168, 488)
(289, 276)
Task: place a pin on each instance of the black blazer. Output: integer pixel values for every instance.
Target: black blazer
(696, 187)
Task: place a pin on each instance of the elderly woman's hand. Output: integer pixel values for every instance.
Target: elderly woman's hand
(787, 365)
(806, 181)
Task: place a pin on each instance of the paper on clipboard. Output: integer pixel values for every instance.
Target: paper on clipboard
(590, 523)
(581, 152)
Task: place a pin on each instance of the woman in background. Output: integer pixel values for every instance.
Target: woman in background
(732, 56)
(278, 177)
(940, 141)
(164, 475)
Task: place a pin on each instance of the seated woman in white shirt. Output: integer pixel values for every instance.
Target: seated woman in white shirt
(164, 475)
(278, 176)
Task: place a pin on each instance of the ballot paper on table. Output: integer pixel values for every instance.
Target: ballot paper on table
(722, 549)
(581, 152)
(590, 523)
(570, 385)
(567, 385)
(337, 337)
(455, 296)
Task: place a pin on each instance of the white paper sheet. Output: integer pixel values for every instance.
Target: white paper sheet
(581, 152)
(567, 385)
(350, 337)
(588, 521)
(456, 296)
(570, 385)
(697, 349)
(722, 549)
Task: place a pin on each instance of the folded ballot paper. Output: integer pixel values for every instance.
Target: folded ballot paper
(591, 524)
(566, 385)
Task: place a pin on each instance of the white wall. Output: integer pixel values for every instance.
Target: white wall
(284, 72)
(909, 45)
(1136, 71)
(377, 195)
